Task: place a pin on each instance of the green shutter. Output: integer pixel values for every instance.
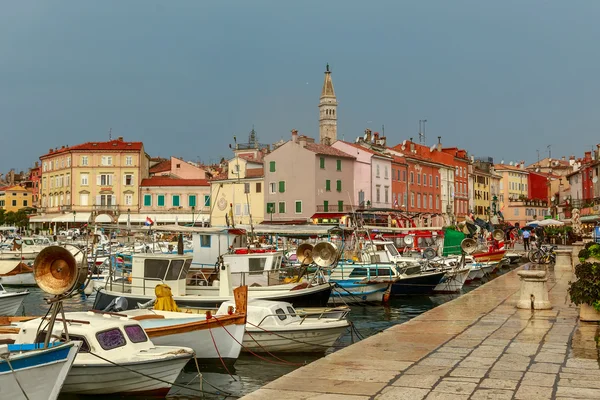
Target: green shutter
(325, 206)
(160, 200)
(175, 200)
(272, 166)
(192, 200)
(339, 165)
(328, 185)
(322, 162)
(298, 207)
(338, 186)
(341, 205)
(206, 200)
(148, 200)
(281, 186)
(282, 207)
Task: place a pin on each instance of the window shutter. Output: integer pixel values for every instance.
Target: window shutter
(281, 186)
(114, 200)
(98, 181)
(124, 179)
(98, 200)
(327, 185)
(325, 206)
(339, 186)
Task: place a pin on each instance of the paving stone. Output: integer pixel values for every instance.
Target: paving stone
(469, 372)
(342, 374)
(510, 375)
(329, 396)
(491, 383)
(550, 358)
(581, 393)
(457, 350)
(546, 368)
(579, 371)
(402, 393)
(580, 377)
(477, 362)
(538, 379)
(462, 379)
(455, 387)
(427, 370)
(526, 392)
(417, 381)
(327, 386)
(576, 382)
(446, 396)
(492, 394)
(515, 358)
(582, 363)
(509, 366)
(439, 362)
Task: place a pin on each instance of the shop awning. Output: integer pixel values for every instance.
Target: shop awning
(164, 218)
(328, 215)
(60, 218)
(590, 218)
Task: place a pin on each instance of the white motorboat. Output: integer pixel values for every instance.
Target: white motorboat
(28, 372)
(454, 280)
(10, 302)
(275, 326)
(110, 343)
(17, 248)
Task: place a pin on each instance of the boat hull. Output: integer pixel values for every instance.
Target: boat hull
(417, 284)
(11, 302)
(316, 296)
(227, 335)
(489, 256)
(453, 281)
(112, 379)
(25, 279)
(293, 341)
(52, 373)
(354, 292)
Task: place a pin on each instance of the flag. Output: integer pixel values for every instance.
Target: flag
(148, 221)
(395, 202)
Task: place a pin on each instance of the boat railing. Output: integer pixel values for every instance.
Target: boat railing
(198, 277)
(111, 283)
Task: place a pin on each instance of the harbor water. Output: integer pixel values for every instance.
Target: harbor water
(250, 372)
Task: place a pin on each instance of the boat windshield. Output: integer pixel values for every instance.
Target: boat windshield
(136, 334)
(111, 339)
(392, 249)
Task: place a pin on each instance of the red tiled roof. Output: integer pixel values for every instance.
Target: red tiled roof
(358, 146)
(500, 167)
(326, 150)
(255, 172)
(162, 166)
(251, 158)
(100, 146)
(163, 181)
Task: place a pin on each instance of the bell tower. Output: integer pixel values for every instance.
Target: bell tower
(327, 111)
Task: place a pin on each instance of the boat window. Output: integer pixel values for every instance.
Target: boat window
(280, 314)
(85, 347)
(392, 249)
(154, 268)
(256, 265)
(291, 311)
(379, 247)
(111, 338)
(136, 334)
(358, 272)
(186, 269)
(28, 241)
(174, 270)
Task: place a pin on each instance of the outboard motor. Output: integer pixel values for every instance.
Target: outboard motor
(117, 305)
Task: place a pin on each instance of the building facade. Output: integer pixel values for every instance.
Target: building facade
(15, 197)
(304, 178)
(96, 180)
(178, 168)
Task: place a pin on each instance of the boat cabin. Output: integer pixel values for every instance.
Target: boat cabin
(266, 313)
(151, 269)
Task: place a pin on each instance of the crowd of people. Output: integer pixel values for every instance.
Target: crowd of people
(527, 236)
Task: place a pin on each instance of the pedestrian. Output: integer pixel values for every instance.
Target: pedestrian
(512, 238)
(526, 236)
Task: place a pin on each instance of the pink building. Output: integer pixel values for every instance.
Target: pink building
(177, 168)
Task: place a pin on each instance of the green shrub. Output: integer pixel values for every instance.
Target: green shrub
(586, 289)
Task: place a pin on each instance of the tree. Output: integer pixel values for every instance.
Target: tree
(19, 219)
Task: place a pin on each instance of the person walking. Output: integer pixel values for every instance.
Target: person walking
(526, 236)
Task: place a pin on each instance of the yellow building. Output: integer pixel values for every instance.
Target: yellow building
(92, 182)
(239, 192)
(14, 198)
(513, 189)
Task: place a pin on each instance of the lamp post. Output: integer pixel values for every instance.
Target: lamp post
(193, 209)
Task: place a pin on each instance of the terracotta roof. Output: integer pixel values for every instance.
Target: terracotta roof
(255, 172)
(500, 167)
(326, 150)
(162, 166)
(251, 158)
(367, 150)
(116, 144)
(163, 181)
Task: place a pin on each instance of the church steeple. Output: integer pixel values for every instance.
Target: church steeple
(327, 111)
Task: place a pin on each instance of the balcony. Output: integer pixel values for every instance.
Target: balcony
(66, 208)
(100, 208)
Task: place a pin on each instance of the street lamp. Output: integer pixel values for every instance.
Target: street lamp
(193, 209)
(128, 223)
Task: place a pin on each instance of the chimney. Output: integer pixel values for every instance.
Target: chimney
(368, 135)
(383, 141)
(37, 164)
(376, 138)
(302, 141)
(564, 158)
(295, 135)
(439, 144)
(120, 138)
(412, 146)
(50, 151)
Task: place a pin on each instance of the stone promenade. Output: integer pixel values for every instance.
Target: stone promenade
(478, 346)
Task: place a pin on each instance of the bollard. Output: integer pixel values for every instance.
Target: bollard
(577, 247)
(534, 292)
(563, 259)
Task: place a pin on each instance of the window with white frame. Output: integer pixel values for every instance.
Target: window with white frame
(84, 160)
(44, 167)
(106, 160)
(68, 161)
(105, 179)
(128, 199)
(272, 188)
(128, 179)
(84, 179)
(128, 160)
(385, 172)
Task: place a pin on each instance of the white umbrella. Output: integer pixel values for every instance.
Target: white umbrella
(550, 222)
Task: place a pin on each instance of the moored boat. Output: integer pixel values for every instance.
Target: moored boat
(10, 302)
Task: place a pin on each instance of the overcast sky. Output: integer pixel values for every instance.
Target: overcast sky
(499, 78)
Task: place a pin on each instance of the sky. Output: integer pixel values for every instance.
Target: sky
(503, 79)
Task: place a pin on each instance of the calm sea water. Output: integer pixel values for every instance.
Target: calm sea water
(251, 373)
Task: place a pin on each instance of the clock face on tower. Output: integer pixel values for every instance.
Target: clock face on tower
(222, 204)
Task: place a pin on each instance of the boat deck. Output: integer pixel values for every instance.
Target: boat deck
(478, 346)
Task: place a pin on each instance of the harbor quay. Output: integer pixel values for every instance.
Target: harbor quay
(478, 346)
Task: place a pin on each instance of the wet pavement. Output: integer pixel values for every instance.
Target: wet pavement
(479, 346)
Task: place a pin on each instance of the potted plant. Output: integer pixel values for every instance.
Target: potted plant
(585, 291)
